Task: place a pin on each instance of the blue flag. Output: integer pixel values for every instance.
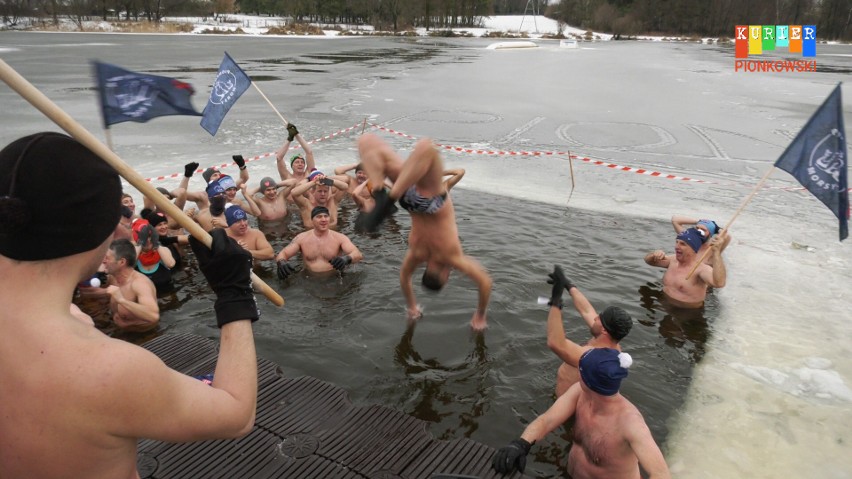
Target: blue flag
(231, 82)
(130, 96)
(817, 158)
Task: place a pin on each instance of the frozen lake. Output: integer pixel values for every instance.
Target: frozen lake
(771, 395)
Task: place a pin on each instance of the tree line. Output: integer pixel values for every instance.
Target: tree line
(623, 18)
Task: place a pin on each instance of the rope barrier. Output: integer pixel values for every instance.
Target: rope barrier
(476, 151)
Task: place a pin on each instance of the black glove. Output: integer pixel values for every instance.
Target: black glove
(227, 267)
(189, 169)
(285, 270)
(147, 232)
(560, 283)
(240, 161)
(292, 131)
(167, 240)
(511, 457)
(340, 262)
(370, 222)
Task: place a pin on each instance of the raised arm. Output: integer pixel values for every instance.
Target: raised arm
(568, 351)
(658, 258)
(253, 209)
(226, 409)
(717, 275)
(455, 175)
(283, 172)
(680, 222)
(309, 153)
(340, 170)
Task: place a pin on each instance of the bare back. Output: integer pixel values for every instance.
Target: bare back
(66, 366)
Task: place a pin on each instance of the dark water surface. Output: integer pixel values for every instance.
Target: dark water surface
(350, 329)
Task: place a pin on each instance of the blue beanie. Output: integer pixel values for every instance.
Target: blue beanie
(226, 182)
(711, 226)
(692, 237)
(215, 189)
(602, 369)
(233, 214)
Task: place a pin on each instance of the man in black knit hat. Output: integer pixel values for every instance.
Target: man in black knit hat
(74, 400)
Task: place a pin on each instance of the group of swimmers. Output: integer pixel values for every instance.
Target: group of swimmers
(611, 438)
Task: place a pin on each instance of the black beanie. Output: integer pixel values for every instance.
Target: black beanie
(60, 199)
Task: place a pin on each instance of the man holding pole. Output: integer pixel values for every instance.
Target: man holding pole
(87, 420)
(685, 284)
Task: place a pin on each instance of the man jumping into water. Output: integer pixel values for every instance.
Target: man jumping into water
(434, 237)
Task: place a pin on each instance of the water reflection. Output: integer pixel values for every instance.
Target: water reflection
(432, 384)
(685, 329)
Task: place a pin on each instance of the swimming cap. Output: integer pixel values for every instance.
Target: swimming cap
(296, 157)
(208, 173)
(234, 214)
(617, 322)
(319, 210)
(692, 237)
(226, 182)
(267, 183)
(38, 167)
(711, 226)
(164, 192)
(602, 369)
(215, 189)
(155, 217)
(314, 174)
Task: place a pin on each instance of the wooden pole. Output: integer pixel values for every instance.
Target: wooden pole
(76, 130)
(364, 126)
(733, 218)
(254, 84)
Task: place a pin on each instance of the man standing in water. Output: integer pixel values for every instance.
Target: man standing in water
(322, 249)
(690, 293)
(607, 329)
(434, 238)
(611, 439)
(75, 401)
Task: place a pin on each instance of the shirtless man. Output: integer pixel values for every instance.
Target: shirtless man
(213, 216)
(133, 297)
(250, 239)
(230, 187)
(352, 182)
(611, 439)
(607, 329)
(690, 293)
(319, 187)
(273, 203)
(709, 228)
(322, 249)
(301, 164)
(88, 419)
(434, 236)
(125, 223)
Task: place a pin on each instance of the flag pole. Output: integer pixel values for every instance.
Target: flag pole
(37, 99)
(733, 218)
(571, 165)
(254, 84)
(364, 126)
